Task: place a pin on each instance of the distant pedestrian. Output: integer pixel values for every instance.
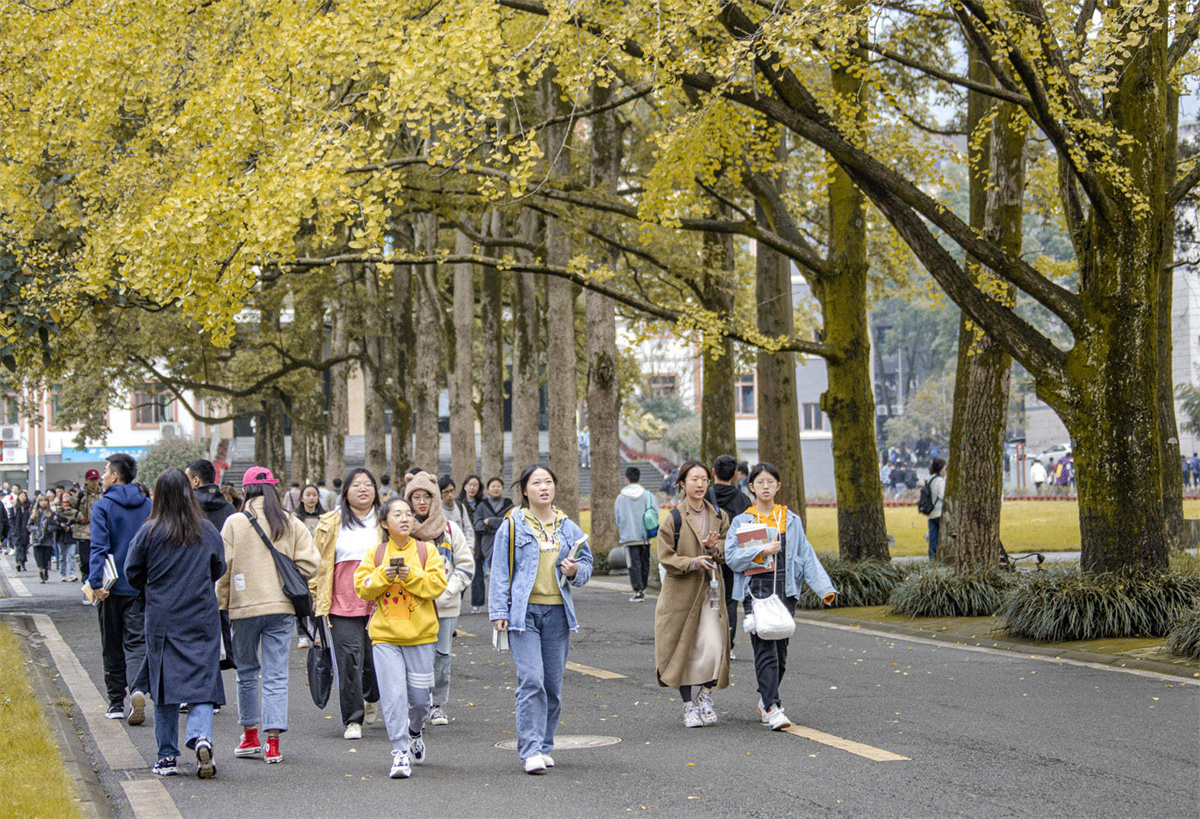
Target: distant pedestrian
(116, 518)
(337, 494)
(471, 494)
(43, 529)
(310, 510)
(342, 538)
(585, 448)
(403, 577)
(202, 473)
(634, 509)
(530, 599)
(1063, 475)
(741, 479)
(291, 500)
(174, 560)
(79, 512)
(489, 515)
(65, 540)
(1037, 476)
(691, 628)
(937, 488)
(386, 493)
(1195, 469)
(794, 563)
(263, 618)
(19, 529)
(328, 499)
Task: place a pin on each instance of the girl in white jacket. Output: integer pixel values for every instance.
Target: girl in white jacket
(423, 495)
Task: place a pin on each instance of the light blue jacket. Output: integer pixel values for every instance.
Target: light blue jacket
(500, 607)
(802, 564)
(630, 509)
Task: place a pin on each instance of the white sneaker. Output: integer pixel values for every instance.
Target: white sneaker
(370, 713)
(708, 714)
(137, 708)
(303, 642)
(536, 764)
(549, 760)
(437, 716)
(762, 712)
(400, 767)
(776, 719)
(416, 747)
(691, 717)
(353, 731)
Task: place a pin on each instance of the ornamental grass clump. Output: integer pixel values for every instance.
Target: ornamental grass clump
(1184, 637)
(1064, 605)
(937, 592)
(858, 582)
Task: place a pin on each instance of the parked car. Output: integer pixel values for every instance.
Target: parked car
(1052, 454)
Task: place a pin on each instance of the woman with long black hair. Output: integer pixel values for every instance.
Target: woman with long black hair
(261, 615)
(343, 538)
(532, 603)
(174, 560)
(19, 538)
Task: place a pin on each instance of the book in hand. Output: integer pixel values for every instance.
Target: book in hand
(500, 640)
(106, 583)
(573, 554)
(757, 534)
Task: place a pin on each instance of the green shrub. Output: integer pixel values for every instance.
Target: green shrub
(937, 592)
(1184, 637)
(858, 583)
(1063, 605)
(174, 452)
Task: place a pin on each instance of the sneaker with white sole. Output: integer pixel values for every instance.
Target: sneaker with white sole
(400, 767)
(416, 747)
(370, 713)
(708, 714)
(691, 717)
(303, 642)
(205, 768)
(548, 760)
(167, 766)
(776, 719)
(536, 764)
(353, 731)
(437, 716)
(137, 708)
(116, 711)
(762, 712)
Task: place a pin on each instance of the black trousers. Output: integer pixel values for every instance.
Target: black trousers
(353, 667)
(482, 564)
(84, 552)
(639, 564)
(770, 661)
(730, 604)
(22, 552)
(123, 643)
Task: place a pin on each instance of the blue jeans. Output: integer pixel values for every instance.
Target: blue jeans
(935, 530)
(273, 632)
(166, 726)
(540, 654)
(441, 659)
(66, 559)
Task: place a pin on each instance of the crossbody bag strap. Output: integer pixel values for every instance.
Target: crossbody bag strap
(254, 522)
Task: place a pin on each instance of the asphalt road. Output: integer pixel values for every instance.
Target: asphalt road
(983, 733)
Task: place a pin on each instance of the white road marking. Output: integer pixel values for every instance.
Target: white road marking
(599, 673)
(148, 798)
(18, 586)
(848, 745)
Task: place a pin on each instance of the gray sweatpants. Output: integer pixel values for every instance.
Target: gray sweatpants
(405, 675)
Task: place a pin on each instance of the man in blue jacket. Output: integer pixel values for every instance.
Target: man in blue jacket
(116, 518)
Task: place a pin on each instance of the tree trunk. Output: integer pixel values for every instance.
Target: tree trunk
(848, 399)
(339, 397)
(274, 454)
(401, 344)
(603, 409)
(462, 399)
(428, 350)
(1168, 428)
(375, 428)
(491, 386)
(718, 430)
(525, 369)
(778, 403)
(298, 468)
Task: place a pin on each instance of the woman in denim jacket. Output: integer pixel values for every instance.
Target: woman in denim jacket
(531, 601)
(795, 563)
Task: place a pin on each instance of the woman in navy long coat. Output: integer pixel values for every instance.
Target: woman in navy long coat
(176, 558)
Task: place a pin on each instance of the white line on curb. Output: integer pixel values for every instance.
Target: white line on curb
(18, 586)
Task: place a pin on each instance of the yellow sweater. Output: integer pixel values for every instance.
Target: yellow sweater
(405, 613)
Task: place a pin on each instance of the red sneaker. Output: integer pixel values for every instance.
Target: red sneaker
(273, 754)
(251, 746)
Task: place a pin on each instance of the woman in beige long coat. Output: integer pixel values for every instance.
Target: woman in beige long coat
(691, 626)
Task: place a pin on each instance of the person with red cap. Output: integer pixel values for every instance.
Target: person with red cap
(79, 512)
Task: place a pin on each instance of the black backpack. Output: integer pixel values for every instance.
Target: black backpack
(925, 500)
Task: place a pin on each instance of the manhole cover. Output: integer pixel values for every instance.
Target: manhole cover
(562, 743)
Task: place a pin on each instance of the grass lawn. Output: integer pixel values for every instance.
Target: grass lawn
(1025, 526)
(33, 780)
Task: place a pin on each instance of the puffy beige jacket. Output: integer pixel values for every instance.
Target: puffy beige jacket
(250, 586)
(460, 568)
(325, 540)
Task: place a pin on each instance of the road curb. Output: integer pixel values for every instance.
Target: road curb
(1116, 660)
(92, 800)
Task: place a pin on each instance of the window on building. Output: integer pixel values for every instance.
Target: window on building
(10, 410)
(813, 418)
(744, 394)
(152, 407)
(662, 385)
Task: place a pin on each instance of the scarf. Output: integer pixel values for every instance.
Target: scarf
(434, 526)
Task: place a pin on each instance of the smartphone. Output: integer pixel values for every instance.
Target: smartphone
(396, 562)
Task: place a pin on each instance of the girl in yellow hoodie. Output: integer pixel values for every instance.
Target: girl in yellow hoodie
(404, 578)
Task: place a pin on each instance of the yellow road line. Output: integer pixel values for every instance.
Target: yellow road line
(462, 633)
(876, 754)
(595, 672)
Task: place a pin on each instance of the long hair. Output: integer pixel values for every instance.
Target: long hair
(523, 481)
(479, 493)
(318, 510)
(688, 466)
(349, 519)
(277, 518)
(174, 514)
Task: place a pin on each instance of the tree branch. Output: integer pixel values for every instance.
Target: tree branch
(946, 76)
(1184, 186)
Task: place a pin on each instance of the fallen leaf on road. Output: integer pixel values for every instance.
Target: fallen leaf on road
(691, 765)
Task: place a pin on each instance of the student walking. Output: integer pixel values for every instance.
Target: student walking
(18, 535)
(458, 562)
(937, 491)
(489, 514)
(174, 560)
(539, 555)
(343, 537)
(794, 563)
(471, 494)
(43, 529)
(403, 577)
(262, 617)
(691, 632)
(635, 509)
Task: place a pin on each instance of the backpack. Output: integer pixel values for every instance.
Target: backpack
(925, 499)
